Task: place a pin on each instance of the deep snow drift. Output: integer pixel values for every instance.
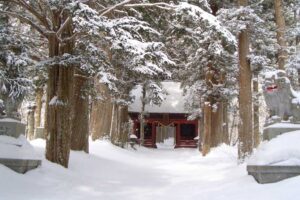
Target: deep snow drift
(282, 150)
(112, 173)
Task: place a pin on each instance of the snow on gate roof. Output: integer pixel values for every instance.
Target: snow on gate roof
(173, 103)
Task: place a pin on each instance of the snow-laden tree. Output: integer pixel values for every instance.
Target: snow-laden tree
(54, 21)
(209, 69)
(85, 41)
(199, 45)
(292, 16)
(257, 20)
(15, 64)
(137, 57)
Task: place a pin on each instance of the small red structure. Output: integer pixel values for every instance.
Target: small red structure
(167, 122)
(184, 131)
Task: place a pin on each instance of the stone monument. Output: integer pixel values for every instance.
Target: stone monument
(10, 123)
(284, 108)
(12, 127)
(283, 104)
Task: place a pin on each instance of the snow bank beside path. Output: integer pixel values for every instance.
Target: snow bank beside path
(282, 150)
(112, 173)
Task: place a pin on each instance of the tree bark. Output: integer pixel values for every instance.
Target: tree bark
(60, 96)
(297, 39)
(217, 126)
(101, 114)
(207, 129)
(80, 129)
(30, 123)
(123, 125)
(201, 131)
(114, 124)
(39, 103)
(280, 22)
(245, 132)
(256, 114)
(225, 123)
(142, 116)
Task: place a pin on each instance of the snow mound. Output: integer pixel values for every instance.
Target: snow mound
(16, 148)
(282, 150)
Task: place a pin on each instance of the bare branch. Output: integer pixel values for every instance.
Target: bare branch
(65, 24)
(40, 6)
(100, 5)
(71, 38)
(26, 20)
(46, 3)
(30, 9)
(158, 5)
(115, 6)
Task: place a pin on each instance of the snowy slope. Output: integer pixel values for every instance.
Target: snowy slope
(112, 173)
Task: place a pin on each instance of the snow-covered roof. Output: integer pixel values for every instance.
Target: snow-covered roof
(173, 103)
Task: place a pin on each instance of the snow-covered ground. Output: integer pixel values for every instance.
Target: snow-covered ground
(112, 173)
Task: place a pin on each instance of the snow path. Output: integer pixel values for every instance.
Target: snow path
(112, 173)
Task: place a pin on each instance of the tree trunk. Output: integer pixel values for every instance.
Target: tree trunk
(200, 133)
(114, 124)
(217, 126)
(256, 114)
(225, 124)
(297, 39)
(30, 123)
(245, 131)
(280, 22)
(80, 129)
(123, 125)
(39, 103)
(101, 114)
(60, 96)
(207, 129)
(142, 116)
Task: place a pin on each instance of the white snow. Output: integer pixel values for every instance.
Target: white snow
(10, 120)
(173, 103)
(282, 150)
(284, 125)
(112, 173)
(133, 136)
(273, 74)
(18, 148)
(56, 102)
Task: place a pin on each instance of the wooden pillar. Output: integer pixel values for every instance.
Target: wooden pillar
(177, 134)
(153, 134)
